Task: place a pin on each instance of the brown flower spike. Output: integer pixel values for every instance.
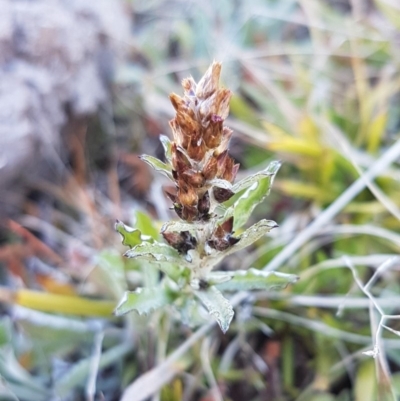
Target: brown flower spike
(200, 157)
(198, 163)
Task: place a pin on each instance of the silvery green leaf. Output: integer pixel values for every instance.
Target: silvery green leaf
(150, 276)
(217, 182)
(269, 171)
(179, 226)
(143, 300)
(219, 277)
(131, 236)
(174, 271)
(217, 305)
(258, 187)
(191, 312)
(158, 165)
(146, 225)
(164, 257)
(167, 145)
(157, 252)
(254, 279)
(252, 234)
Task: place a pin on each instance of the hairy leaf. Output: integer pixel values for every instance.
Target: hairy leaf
(175, 271)
(157, 252)
(163, 257)
(158, 165)
(258, 187)
(191, 312)
(219, 277)
(253, 279)
(217, 182)
(146, 224)
(130, 236)
(143, 300)
(218, 306)
(269, 171)
(179, 226)
(167, 145)
(251, 235)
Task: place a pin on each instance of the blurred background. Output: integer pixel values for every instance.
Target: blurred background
(84, 90)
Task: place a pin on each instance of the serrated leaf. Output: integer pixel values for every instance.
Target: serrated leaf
(174, 271)
(167, 145)
(164, 257)
(217, 305)
(269, 171)
(158, 165)
(143, 300)
(150, 273)
(253, 279)
(219, 277)
(256, 192)
(252, 234)
(191, 312)
(145, 224)
(157, 252)
(130, 236)
(179, 226)
(218, 182)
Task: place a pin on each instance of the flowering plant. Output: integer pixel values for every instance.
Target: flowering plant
(211, 207)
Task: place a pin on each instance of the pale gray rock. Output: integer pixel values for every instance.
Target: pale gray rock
(57, 59)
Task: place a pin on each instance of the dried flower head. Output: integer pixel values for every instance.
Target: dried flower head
(200, 147)
(222, 238)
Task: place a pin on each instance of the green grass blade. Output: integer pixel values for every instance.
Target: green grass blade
(253, 279)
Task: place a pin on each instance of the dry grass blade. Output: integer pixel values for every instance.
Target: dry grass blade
(94, 366)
